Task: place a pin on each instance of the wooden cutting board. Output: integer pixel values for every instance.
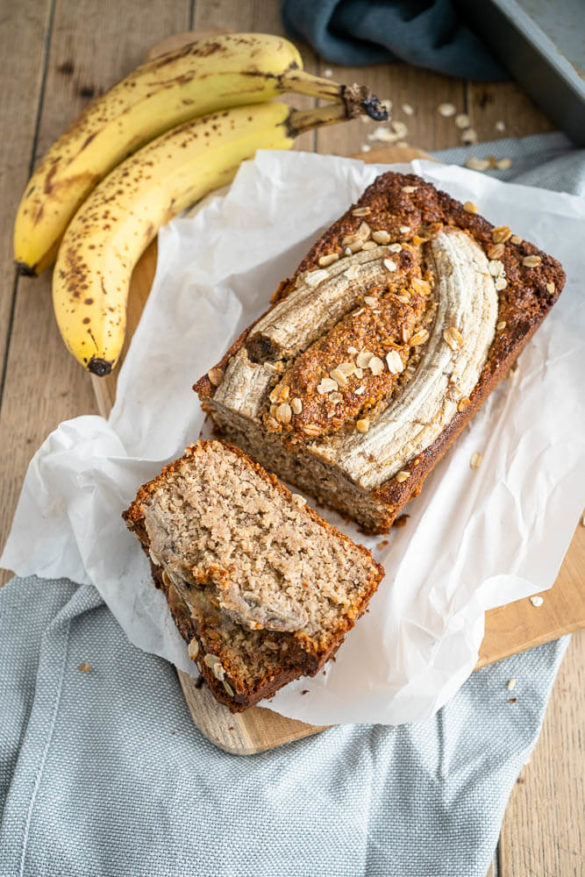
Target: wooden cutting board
(509, 629)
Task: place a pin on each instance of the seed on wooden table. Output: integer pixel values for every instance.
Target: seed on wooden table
(500, 126)
(469, 136)
(462, 120)
(446, 110)
(537, 601)
(407, 110)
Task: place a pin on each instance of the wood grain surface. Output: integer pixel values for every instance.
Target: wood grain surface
(41, 40)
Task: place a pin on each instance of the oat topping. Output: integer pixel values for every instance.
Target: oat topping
(531, 261)
(329, 259)
(360, 391)
(338, 376)
(463, 404)
(376, 365)
(284, 413)
(381, 236)
(363, 425)
(516, 239)
(352, 272)
(327, 385)
(419, 337)
(394, 361)
(296, 405)
(501, 234)
(369, 245)
(501, 326)
(402, 476)
(193, 649)
(550, 287)
(215, 376)
(361, 211)
(453, 337)
(389, 265)
(395, 248)
(352, 350)
(470, 207)
(496, 251)
(501, 283)
(511, 685)
(408, 190)
(404, 229)
(537, 601)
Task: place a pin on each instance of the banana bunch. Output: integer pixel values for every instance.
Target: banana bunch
(98, 208)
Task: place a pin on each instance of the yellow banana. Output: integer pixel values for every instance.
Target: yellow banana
(217, 73)
(112, 228)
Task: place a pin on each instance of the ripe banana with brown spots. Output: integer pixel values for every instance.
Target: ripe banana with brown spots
(119, 219)
(213, 74)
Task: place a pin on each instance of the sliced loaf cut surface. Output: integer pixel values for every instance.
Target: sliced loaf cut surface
(259, 585)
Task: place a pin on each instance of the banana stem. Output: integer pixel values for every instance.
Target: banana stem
(299, 121)
(356, 98)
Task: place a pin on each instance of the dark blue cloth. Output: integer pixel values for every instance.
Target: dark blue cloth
(427, 33)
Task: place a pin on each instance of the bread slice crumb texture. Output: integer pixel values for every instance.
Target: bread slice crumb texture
(259, 553)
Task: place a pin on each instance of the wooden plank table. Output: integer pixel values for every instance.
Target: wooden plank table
(58, 54)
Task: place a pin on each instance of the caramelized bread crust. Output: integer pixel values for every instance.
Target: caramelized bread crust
(413, 211)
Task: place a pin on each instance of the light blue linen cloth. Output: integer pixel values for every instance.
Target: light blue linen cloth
(104, 773)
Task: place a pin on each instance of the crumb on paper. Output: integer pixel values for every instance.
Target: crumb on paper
(536, 601)
(85, 668)
(305, 691)
(401, 521)
(511, 685)
(475, 461)
(231, 728)
(512, 699)
(366, 147)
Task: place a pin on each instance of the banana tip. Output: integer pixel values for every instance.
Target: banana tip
(26, 270)
(100, 367)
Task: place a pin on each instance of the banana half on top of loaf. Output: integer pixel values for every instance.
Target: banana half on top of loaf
(392, 332)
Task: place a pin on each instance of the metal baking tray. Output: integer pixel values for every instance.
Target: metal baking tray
(542, 43)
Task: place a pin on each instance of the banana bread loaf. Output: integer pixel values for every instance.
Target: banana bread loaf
(392, 332)
(262, 588)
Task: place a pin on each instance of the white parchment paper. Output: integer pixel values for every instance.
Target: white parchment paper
(475, 539)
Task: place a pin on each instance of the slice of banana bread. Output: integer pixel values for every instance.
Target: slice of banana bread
(261, 587)
(392, 332)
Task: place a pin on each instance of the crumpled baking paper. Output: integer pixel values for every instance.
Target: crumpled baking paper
(475, 538)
